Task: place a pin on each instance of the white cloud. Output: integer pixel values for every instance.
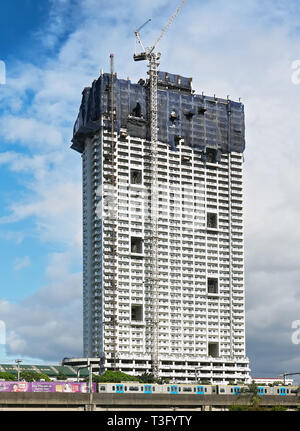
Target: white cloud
(21, 262)
(48, 323)
(14, 236)
(244, 49)
(30, 132)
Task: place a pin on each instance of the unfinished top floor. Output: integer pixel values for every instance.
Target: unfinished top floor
(202, 121)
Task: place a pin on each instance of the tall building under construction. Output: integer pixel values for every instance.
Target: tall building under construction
(165, 295)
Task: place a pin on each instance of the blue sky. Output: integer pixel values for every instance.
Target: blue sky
(19, 20)
(55, 48)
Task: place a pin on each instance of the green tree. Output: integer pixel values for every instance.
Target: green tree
(147, 378)
(278, 408)
(8, 376)
(33, 376)
(28, 376)
(238, 407)
(162, 380)
(113, 377)
(252, 390)
(43, 376)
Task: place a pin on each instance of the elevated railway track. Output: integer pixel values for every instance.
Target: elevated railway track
(135, 402)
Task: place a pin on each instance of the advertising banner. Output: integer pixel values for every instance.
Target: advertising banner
(14, 387)
(65, 387)
(59, 387)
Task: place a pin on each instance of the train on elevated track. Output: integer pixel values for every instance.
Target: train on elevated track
(192, 389)
(144, 388)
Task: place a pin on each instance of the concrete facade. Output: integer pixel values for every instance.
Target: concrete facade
(201, 295)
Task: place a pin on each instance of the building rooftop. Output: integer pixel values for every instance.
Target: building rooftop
(50, 370)
(200, 120)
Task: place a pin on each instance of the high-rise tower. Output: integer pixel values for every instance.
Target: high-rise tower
(200, 299)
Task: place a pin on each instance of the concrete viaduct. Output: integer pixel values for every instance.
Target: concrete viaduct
(134, 402)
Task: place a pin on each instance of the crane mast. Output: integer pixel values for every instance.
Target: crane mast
(153, 72)
(114, 322)
(153, 63)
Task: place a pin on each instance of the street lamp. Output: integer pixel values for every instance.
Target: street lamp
(18, 361)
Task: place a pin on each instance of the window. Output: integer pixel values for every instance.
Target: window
(212, 220)
(137, 313)
(185, 160)
(212, 285)
(137, 110)
(187, 389)
(211, 155)
(135, 176)
(201, 110)
(136, 245)
(213, 350)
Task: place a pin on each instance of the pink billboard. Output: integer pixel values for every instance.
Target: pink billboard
(14, 386)
(65, 387)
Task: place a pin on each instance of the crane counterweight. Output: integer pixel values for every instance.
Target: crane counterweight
(140, 57)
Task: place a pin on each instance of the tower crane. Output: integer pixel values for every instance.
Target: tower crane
(153, 62)
(288, 374)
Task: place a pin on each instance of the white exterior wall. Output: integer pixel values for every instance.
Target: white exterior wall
(189, 253)
(271, 381)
